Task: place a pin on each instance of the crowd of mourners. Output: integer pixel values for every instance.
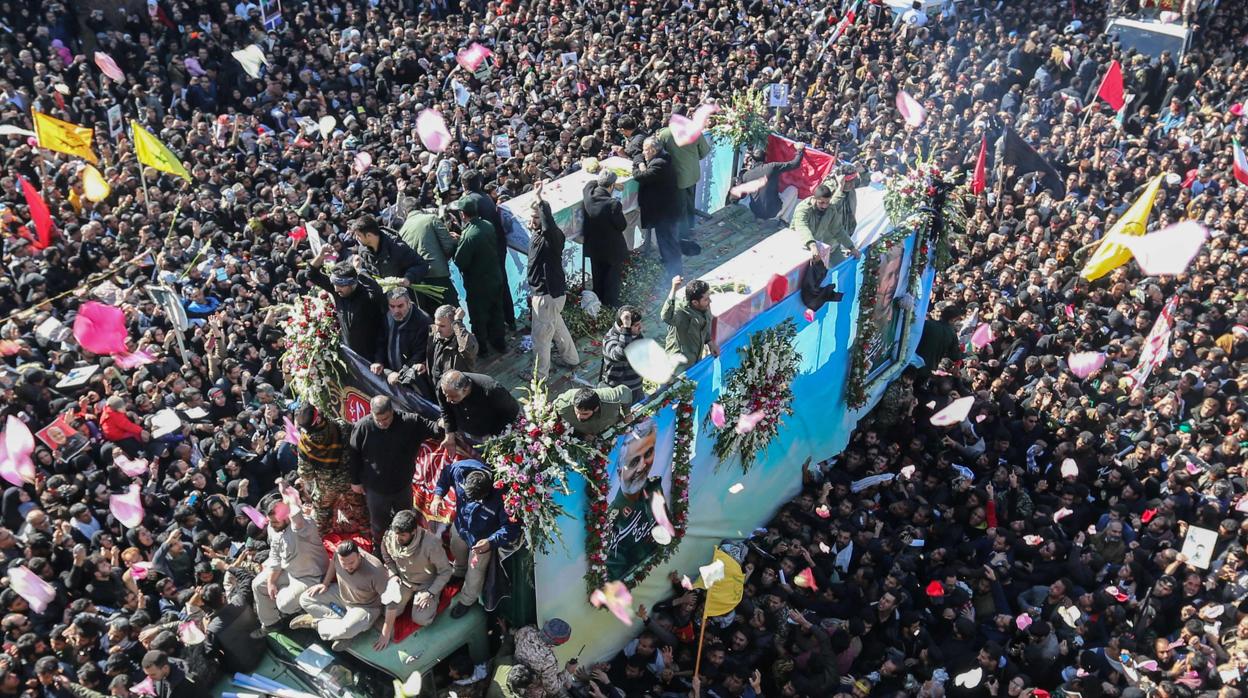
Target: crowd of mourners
(1034, 549)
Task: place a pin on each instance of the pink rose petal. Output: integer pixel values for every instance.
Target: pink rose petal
(747, 422)
(616, 598)
(1085, 363)
(292, 431)
(954, 412)
(717, 415)
(471, 58)
(100, 329)
(256, 517)
(431, 128)
(127, 360)
(127, 508)
(658, 507)
(30, 586)
(910, 109)
(809, 315)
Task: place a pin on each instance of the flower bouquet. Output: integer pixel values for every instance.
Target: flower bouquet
(758, 394)
(313, 361)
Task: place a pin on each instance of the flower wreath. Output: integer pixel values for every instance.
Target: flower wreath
(530, 460)
(924, 202)
(313, 360)
(762, 387)
(599, 518)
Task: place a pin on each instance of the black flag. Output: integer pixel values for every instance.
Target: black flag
(1013, 150)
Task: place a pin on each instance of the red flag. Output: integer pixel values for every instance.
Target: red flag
(1111, 89)
(979, 182)
(815, 167)
(39, 214)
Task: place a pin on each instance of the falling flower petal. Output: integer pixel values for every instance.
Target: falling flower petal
(144, 687)
(660, 535)
(1085, 363)
(139, 570)
(823, 512)
(658, 507)
(907, 472)
(954, 412)
(134, 468)
(651, 361)
(712, 573)
(1169, 251)
(717, 415)
(685, 130)
(969, 679)
(1061, 514)
(746, 188)
(133, 359)
(109, 67)
(809, 315)
(256, 517)
(127, 508)
(190, 633)
(431, 128)
(1069, 468)
(94, 186)
(747, 422)
(30, 586)
(1023, 621)
(251, 58)
(736, 488)
(616, 598)
(16, 448)
(910, 109)
(290, 495)
(292, 431)
(100, 329)
(982, 337)
(362, 161)
(823, 548)
(471, 58)
(686, 583)
(806, 580)
(281, 511)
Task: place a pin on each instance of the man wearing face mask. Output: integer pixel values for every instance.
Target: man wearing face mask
(482, 526)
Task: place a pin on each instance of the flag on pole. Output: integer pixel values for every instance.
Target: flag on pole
(39, 214)
(979, 182)
(1156, 347)
(153, 153)
(64, 137)
(724, 582)
(841, 26)
(1111, 89)
(1111, 255)
(1240, 166)
(1012, 150)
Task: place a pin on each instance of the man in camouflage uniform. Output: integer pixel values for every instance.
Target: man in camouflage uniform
(323, 469)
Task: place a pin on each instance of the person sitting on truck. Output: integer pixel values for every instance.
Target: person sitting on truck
(418, 564)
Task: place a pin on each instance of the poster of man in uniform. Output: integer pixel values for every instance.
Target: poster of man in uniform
(639, 466)
(888, 317)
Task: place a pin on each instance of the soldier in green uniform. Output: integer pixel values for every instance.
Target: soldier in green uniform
(631, 539)
(323, 469)
(427, 234)
(477, 258)
(592, 411)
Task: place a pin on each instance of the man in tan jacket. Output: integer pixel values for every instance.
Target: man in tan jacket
(348, 600)
(418, 566)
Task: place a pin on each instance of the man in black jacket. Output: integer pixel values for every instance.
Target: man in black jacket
(403, 339)
(602, 235)
(385, 255)
(383, 459)
(548, 288)
(169, 677)
(473, 406)
(661, 207)
(358, 299)
(232, 626)
(770, 202)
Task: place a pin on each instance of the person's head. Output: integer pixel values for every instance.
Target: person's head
(455, 386)
(444, 320)
(650, 148)
(400, 302)
(404, 526)
(156, 665)
(344, 279)
(607, 178)
(629, 318)
(586, 403)
(823, 197)
(698, 294)
(477, 485)
(367, 231)
(556, 631)
(637, 457)
(307, 416)
(348, 553)
(468, 207)
(382, 409)
(278, 515)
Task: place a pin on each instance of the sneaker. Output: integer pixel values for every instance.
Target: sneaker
(303, 622)
(460, 610)
(565, 364)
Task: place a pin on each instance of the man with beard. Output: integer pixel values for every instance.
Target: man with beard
(296, 562)
(632, 541)
(418, 563)
(324, 470)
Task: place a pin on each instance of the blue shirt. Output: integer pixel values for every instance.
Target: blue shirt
(486, 519)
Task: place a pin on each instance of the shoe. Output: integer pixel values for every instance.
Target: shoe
(460, 610)
(260, 633)
(689, 248)
(340, 645)
(564, 364)
(303, 622)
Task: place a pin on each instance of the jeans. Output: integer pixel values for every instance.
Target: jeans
(382, 506)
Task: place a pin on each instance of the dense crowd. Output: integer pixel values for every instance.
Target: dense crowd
(1030, 550)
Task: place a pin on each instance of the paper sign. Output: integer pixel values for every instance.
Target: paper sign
(502, 146)
(1198, 546)
(77, 377)
(778, 95)
(116, 125)
(169, 301)
(165, 422)
(314, 239)
(569, 58)
(61, 437)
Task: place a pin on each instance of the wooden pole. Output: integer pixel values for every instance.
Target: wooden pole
(697, 663)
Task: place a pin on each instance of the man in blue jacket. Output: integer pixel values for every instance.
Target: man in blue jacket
(481, 525)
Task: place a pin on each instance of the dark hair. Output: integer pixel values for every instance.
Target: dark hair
(213, 596)
(822, 192)
(347, 547)
(154, 658)
(586, 399)
(627, 123)
(367, 223)
(477, 484)
(519, 677)
(405, 521)
(696, 290)
(468, 207)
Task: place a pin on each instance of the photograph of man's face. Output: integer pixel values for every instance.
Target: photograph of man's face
(643, 461)
(637, 459)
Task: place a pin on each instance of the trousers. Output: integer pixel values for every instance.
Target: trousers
(608, 279)
(549, 328)
(473, 574)
(382, 506)
(667, 237)
(331, 626)
(487, 312)
(289, 589)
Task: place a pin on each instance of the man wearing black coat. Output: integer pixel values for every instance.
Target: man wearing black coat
(660, 204)
(473, 406)
(386, 255)
(359, 300)
(404, 337)
(232, 626)
(603, 237)
(383, 458)
(770, 202)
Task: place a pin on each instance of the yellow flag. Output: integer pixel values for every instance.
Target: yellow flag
(725, 592)
(64, 137)
(153, 153)
(1111, 255)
